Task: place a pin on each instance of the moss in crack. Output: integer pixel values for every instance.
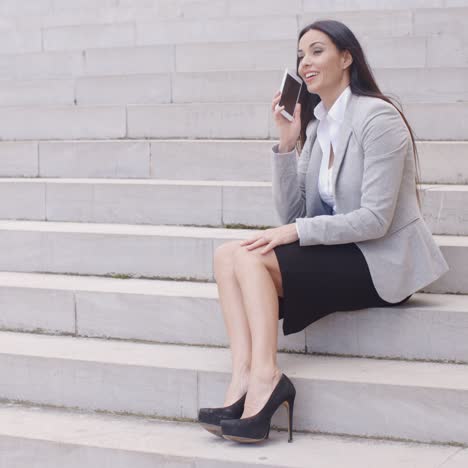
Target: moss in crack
(245, 226)
(128, 276)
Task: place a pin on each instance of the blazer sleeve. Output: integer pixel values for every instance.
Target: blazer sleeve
(385, 141)
(288, 181)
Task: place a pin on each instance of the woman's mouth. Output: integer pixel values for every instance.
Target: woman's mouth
(310, 78)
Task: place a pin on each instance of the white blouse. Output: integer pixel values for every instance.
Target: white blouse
(327, 133)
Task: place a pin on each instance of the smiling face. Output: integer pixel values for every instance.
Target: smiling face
(318, 53)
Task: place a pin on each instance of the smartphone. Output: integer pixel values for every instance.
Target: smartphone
(290, 91)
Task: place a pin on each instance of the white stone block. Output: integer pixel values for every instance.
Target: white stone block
(439, 21)
(18, 159)
(374, 23)
(395, 52)
(24, 7)
(443, 162)
(129, 202)
(107, 249)
(170, 9)
(20, 41)
(249, 120)
(211, 160)
(216, 30)
(324, 5)
(28, 202)
(145, 89)
(226, 86)
(96, 14)
(28, 123)
(252, 206)
(37, 310)
(133, 309)
(455, 3)
(58, 5)
(200, 9)
(437, 47)
(37, 92)
(48, 65)
(445, 209)
(123, 388)
(117, 159)
(455, 281)
(259, 55)
(261, 7)
(424, 85)
(89, 36)
(405, 331)
(446, 122)
(130, 60)
(144, 3)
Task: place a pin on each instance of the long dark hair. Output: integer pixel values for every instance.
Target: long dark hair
(362, 81)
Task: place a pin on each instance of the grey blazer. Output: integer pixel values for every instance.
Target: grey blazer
(375, 192)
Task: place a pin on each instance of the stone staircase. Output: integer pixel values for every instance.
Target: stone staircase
(135, 139)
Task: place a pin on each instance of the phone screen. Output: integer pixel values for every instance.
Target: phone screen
(289, 94)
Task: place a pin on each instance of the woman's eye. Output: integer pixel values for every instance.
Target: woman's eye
(315, 52)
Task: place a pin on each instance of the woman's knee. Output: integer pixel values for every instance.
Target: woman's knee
(223, 259)
(244, 259)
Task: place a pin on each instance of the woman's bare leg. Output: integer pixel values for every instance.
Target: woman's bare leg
(258, 277)
(235, 320)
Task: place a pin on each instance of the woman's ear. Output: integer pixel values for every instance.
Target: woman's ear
(347, 59)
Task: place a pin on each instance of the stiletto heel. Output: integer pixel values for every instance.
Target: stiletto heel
(257, 427)
(290, 406)
(210, 418)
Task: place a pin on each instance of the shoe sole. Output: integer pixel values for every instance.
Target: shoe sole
(216, 430)
(244, 440)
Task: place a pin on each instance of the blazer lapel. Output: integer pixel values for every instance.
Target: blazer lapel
(346, 130)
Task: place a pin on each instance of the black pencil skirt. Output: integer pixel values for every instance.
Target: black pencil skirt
(321, 279)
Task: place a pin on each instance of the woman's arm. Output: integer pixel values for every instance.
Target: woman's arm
(288, 182)
(385, 141)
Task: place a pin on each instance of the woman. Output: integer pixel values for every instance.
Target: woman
(353, 234)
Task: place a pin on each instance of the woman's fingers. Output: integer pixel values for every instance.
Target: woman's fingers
(258, 243)
(246, 241)
(275, 100)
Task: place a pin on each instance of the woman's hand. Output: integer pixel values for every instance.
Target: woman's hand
(275, 236)
(288, 131)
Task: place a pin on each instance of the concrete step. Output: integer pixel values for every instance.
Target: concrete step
(254, 120)
(62, 122)
(139, 201)
(161, 201)
(390, 23)
(77, 438)
(350, 396)
(412, 85)
(445, 209)
(21, 9)
(404, 57)
(244, 120)
(85, 12)
(427, 327)
(132, 31)
(177, 252)
(189, 159)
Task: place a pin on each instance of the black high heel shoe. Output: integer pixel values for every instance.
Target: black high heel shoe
(257, 427)
(210, 418)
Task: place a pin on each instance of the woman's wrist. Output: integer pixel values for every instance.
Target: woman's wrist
(284, 147)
